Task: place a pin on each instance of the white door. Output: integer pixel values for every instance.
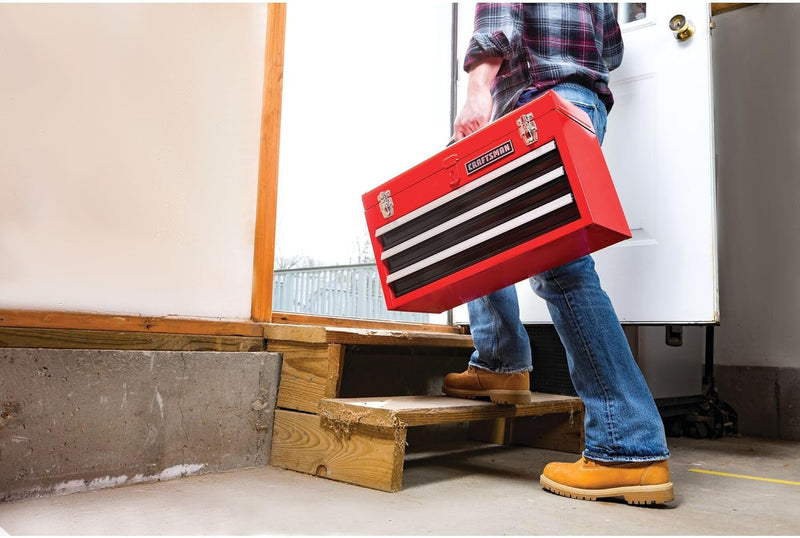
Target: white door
(659, 147)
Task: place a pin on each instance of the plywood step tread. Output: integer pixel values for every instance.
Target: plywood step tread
(409, 411)
(315, 334)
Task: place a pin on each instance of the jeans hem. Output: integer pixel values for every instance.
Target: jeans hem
(626, 459)
(502, 370)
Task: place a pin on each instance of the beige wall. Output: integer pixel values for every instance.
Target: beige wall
(129, 157)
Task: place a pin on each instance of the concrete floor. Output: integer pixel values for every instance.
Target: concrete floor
(485, 490)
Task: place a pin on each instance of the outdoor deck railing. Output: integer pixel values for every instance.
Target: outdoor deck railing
(352, 291)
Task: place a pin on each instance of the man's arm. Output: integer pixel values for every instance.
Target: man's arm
(477, 110)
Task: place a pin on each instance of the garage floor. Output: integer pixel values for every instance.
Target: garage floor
(479, 490)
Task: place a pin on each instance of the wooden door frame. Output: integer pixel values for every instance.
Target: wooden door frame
(267, 197)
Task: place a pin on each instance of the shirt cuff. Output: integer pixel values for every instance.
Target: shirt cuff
(482, 46)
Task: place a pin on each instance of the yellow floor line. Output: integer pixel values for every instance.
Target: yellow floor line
(719, 473)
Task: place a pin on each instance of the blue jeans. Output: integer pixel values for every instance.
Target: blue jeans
(622, 423)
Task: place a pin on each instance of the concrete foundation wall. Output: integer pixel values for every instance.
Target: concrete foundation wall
(76, 420)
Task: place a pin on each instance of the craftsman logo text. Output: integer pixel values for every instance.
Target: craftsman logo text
(507, 148)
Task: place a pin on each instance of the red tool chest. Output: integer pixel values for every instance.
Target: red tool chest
(526, 193)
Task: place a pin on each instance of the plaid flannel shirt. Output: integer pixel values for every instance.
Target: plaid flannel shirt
(545, 44)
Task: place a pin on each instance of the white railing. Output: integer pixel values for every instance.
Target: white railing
(352, 291)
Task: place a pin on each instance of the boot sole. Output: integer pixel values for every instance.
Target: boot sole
(498, 396)
(654, 494)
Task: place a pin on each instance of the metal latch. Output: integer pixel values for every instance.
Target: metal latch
(527, 129)
(386, 204)
(449, 163)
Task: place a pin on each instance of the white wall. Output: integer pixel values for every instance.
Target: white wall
(756, 55)
(129, 141)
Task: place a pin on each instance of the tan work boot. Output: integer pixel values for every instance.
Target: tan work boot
(637, 483)
(499, 388)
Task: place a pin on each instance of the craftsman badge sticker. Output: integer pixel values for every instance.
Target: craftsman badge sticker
(482, 161)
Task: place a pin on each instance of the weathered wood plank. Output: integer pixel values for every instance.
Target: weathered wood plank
(293, 318)
(83, 339)
(371, 458)
(43, 319)
(311, 334)
(398, 338)
(304, 375)
(336, 354)
(409, 411)
(360, 336)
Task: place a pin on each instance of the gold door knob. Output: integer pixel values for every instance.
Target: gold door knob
(681, 27)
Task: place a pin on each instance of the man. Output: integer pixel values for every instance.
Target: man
(518, 51)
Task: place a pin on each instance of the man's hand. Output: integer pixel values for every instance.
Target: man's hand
(477, 110)
(476, 113)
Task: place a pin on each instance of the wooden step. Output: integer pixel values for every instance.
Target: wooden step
(315, 334)
(314, 356)
(362, 440)
(409, 411)
(319, 430)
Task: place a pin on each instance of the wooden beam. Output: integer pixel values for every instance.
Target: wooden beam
(304, 374)
(267, 201)
(369, 458)
(342, 331)
(377, 337)
(293, 318)
(82, 339)
(110, 322)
